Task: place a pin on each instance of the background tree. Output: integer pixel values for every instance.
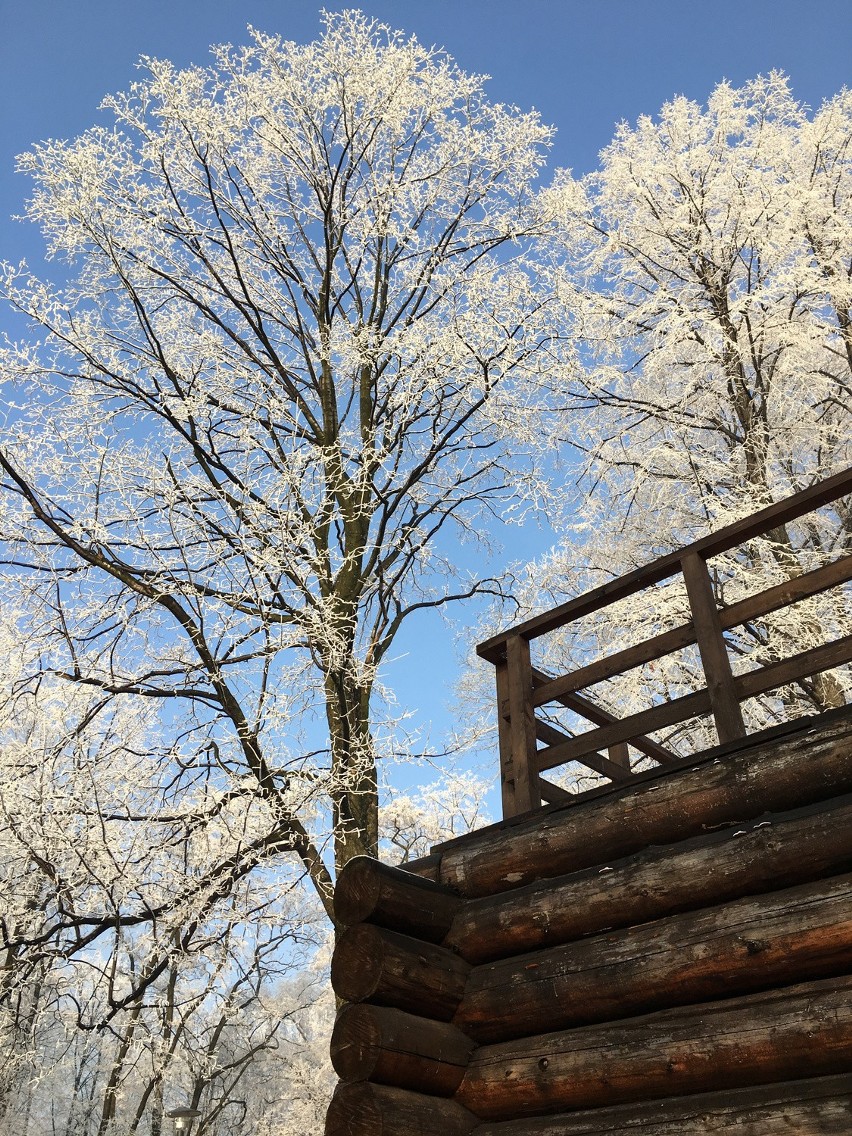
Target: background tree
(292, 356)
(706, 270)
(297, 319)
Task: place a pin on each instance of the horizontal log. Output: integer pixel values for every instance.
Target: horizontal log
(368, 891)
(778, 851)
(672, 806)
(781, 1035)
(427, 867)
(380, 1110)
(793, 935)
(377, 1043)
(821, 1106)
(373, 964)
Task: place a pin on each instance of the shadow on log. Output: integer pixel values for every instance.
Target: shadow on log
(743, 1041)
(373, 964)
(668, 808)
(779, 851)
(752, 944)
(377, 1043)
(818, 1107)
(378, 1110)
(368, 891)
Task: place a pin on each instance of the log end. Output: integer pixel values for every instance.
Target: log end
(371, 892)
(355, 1043)
(378, 1110)
(356, 965)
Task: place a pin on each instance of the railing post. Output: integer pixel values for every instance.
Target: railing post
(504, 738)
(527, 791)
(711, 645)
(620, 755)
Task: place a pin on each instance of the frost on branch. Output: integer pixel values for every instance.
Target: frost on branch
(706, 270)
(297, 346)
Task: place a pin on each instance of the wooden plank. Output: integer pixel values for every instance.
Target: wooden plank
(819, 1106)
(777, 851)
(805, 766)
(747, 685)
(390, 1047)
(553, 793)
(793, 935)
(527, 794)
(626, 729)
(782, 595)
(619, 755)
(504, 740)
(724, 539)
(600, 764)
(376, 965)
(802, 1030)
(594, 713)
(363, 1109)
(711, 645)
(553, 689)
(753, 607)
(369, 891)
(807, 663)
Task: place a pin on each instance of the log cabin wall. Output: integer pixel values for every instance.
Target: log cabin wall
(670, 956)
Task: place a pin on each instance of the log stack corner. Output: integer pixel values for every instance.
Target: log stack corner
(670, 957)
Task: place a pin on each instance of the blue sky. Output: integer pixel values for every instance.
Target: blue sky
(584, 64)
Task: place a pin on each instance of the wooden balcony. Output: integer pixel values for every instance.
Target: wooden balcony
(530, 745)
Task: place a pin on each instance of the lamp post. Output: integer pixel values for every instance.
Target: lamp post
(183, 1118)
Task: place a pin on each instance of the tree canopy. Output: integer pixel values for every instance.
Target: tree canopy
(706, 272)
(314, 322)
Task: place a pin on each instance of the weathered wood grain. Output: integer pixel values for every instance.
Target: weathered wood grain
(821, 1106)
(391, 1047)
(368, 891)
(781, 1035)
(380, 1110)
(788, 936)
(373, 964)
(775, 776)
(778, 851)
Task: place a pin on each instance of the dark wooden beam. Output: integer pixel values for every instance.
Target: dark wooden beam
(788, 936)
(390, 1047)
(743, 858)
(365, 1109)
(819, 1106)
(373, 964)
(368, 891)
(663, 809)
(802, 1030)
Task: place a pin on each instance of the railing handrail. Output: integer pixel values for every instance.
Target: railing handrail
(723, 540)
(521, 687)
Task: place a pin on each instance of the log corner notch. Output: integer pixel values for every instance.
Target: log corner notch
(686, 939)
(397, 1054)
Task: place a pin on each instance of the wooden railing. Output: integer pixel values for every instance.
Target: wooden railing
(523, 688)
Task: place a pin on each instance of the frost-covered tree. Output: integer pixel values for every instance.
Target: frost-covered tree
(142, 943)
(706, 271)
(291, 356)
(294, 323)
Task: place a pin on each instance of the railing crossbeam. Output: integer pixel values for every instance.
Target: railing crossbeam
(521, 687)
